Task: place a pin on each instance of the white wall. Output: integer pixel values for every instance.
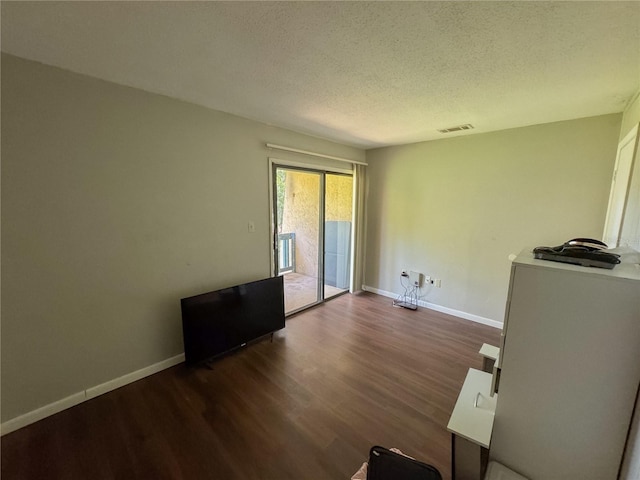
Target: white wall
(115, 204)
(631, 116)
(630, 231)
(456, 208)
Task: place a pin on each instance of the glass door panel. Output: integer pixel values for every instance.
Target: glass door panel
(337, 233)
(298, 228)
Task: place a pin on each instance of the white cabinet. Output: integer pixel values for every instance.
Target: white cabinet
(570, 369)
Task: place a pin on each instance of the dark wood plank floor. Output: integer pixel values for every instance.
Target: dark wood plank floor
(346, 375)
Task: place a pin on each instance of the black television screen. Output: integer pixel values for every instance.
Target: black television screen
(216, 322)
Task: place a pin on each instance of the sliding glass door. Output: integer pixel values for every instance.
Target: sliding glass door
(299, 236)
(338, 215)
(312, 234)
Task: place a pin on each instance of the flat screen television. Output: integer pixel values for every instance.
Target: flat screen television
(217, 322)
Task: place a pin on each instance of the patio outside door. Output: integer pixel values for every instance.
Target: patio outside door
(312, 238)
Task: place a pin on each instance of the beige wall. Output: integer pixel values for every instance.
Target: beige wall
(115, 204)
(456, 208)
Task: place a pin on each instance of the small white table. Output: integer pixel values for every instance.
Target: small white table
(471, 424)
(490, 355)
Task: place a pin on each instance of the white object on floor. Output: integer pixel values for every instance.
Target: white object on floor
(497, 471)
(361, 474)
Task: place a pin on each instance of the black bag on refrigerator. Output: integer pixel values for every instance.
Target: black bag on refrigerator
(387, 465)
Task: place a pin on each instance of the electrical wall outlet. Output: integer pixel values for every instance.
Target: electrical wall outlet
(437, 282)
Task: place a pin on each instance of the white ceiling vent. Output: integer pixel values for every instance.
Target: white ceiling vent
(466, 126)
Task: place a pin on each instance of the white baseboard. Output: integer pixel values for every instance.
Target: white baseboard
(133, 376)
(92, 392)
(42, 412)
(438, 308)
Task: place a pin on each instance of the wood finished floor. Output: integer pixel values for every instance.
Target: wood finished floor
(341, 377)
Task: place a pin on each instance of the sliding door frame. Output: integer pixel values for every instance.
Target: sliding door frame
(274, 164)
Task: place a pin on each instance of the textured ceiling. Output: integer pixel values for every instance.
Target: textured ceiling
(362, 73)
